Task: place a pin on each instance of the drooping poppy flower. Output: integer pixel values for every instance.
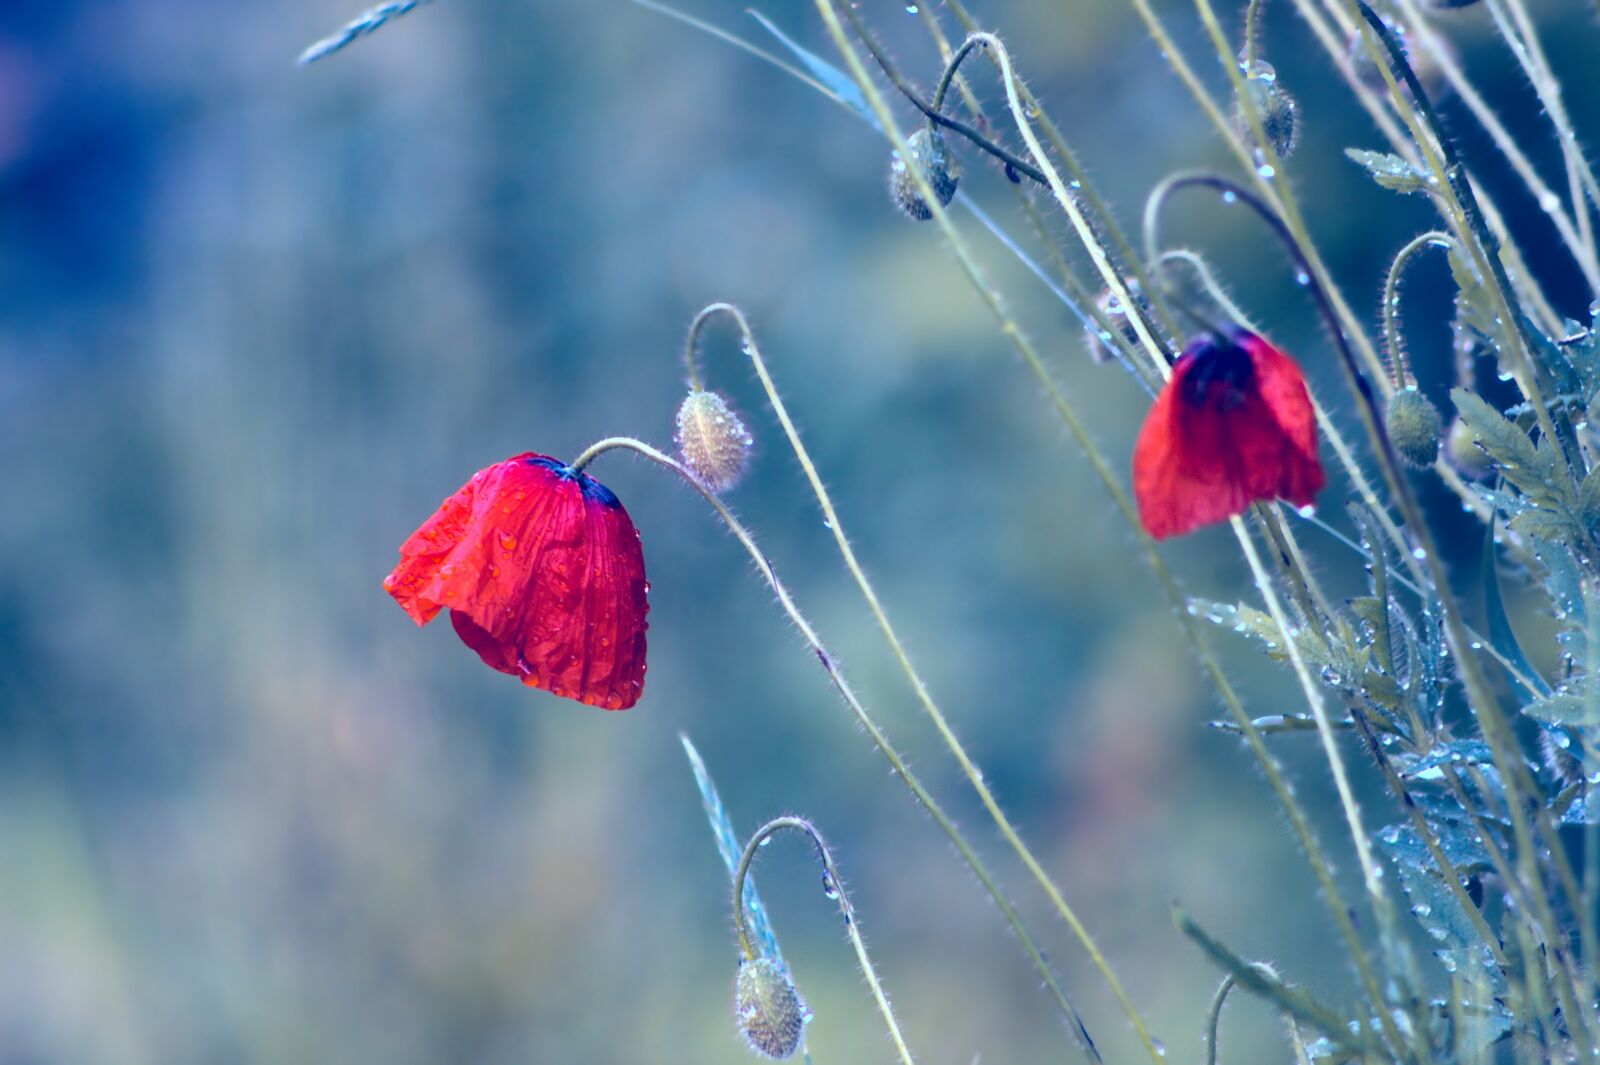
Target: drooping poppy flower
(1234, 424)
(543, 575)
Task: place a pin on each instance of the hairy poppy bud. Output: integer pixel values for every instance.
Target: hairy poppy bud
(1461, 448)
(1275, 106)
(1116, 315)
(930, 154)
(1414, 427)
(769, 1011)
(712, 440)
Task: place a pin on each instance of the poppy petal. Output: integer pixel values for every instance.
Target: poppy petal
(543, 572)
(1233, 425)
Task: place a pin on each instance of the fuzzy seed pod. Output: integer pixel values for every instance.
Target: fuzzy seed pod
(1414, 427)
(1461, 448)
(930, 154)
(1116, 315)
(768, 1008)
(712, 441)
(1277, 109)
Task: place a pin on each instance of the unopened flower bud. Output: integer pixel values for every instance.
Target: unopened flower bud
(1414, 427)
(712, 441)
(930, 155)
(768, 1009)
(1276, 107)
(1461, 448)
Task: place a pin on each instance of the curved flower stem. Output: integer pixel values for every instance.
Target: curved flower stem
(1278, 194)
(1485, 115)
(1080, 178)
(1342, 915)
(831, 520)
(1080, 222)
(1208, 282)
(1394, 343)
(1214, 1015)
(1496, 728)
(835, 887)
(1283, 194)
(1456, 193)
(1354, 376)
(898, 141)
(865, 719)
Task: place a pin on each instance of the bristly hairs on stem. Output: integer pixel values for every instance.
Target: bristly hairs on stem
(833, 887)
(1393, 342)
(830, 666)
(832, 521)
(1341, 913)
(1330, 891)
(1458, 194)
(363, 24)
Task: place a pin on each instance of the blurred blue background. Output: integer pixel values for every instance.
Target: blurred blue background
(257, 320)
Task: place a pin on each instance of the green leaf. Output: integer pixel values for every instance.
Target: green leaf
(831, 77)
(1501, 634)
(1536, 470)
(1390, 171)
(1565, 708)
(1435, 906)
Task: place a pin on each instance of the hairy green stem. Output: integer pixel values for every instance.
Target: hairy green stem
(1323, 871)
(1394, 343)
(836, 889)
(847, 552)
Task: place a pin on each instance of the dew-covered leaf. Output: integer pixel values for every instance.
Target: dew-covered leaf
(1433, 904)
(1389, 170)
(1565, 708)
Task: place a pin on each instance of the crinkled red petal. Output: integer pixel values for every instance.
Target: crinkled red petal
(543, 573)
(1194, 465)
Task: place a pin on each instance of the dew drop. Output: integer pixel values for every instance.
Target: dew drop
(1266, 172)
(1228, 197)
(1549, 203)
(1419, 554)
(911, 9)
(1302, 278)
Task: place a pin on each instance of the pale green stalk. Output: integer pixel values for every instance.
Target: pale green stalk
(1341, 913)
(831, 521)
(846, 692)
(836, 887)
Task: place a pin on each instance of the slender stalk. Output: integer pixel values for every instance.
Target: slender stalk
(1455, 191)
(1278, 194)
(1323, 871)
(832, 521)
(1214, 1017)
(865, 719)
(1252, 35)
(1523, 40)
(1394, 343)
(836, 889)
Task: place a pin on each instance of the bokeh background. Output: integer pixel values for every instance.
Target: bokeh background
(257, 320)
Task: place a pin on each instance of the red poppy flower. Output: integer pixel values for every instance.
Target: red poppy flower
(1234, 424)
(543, 574)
